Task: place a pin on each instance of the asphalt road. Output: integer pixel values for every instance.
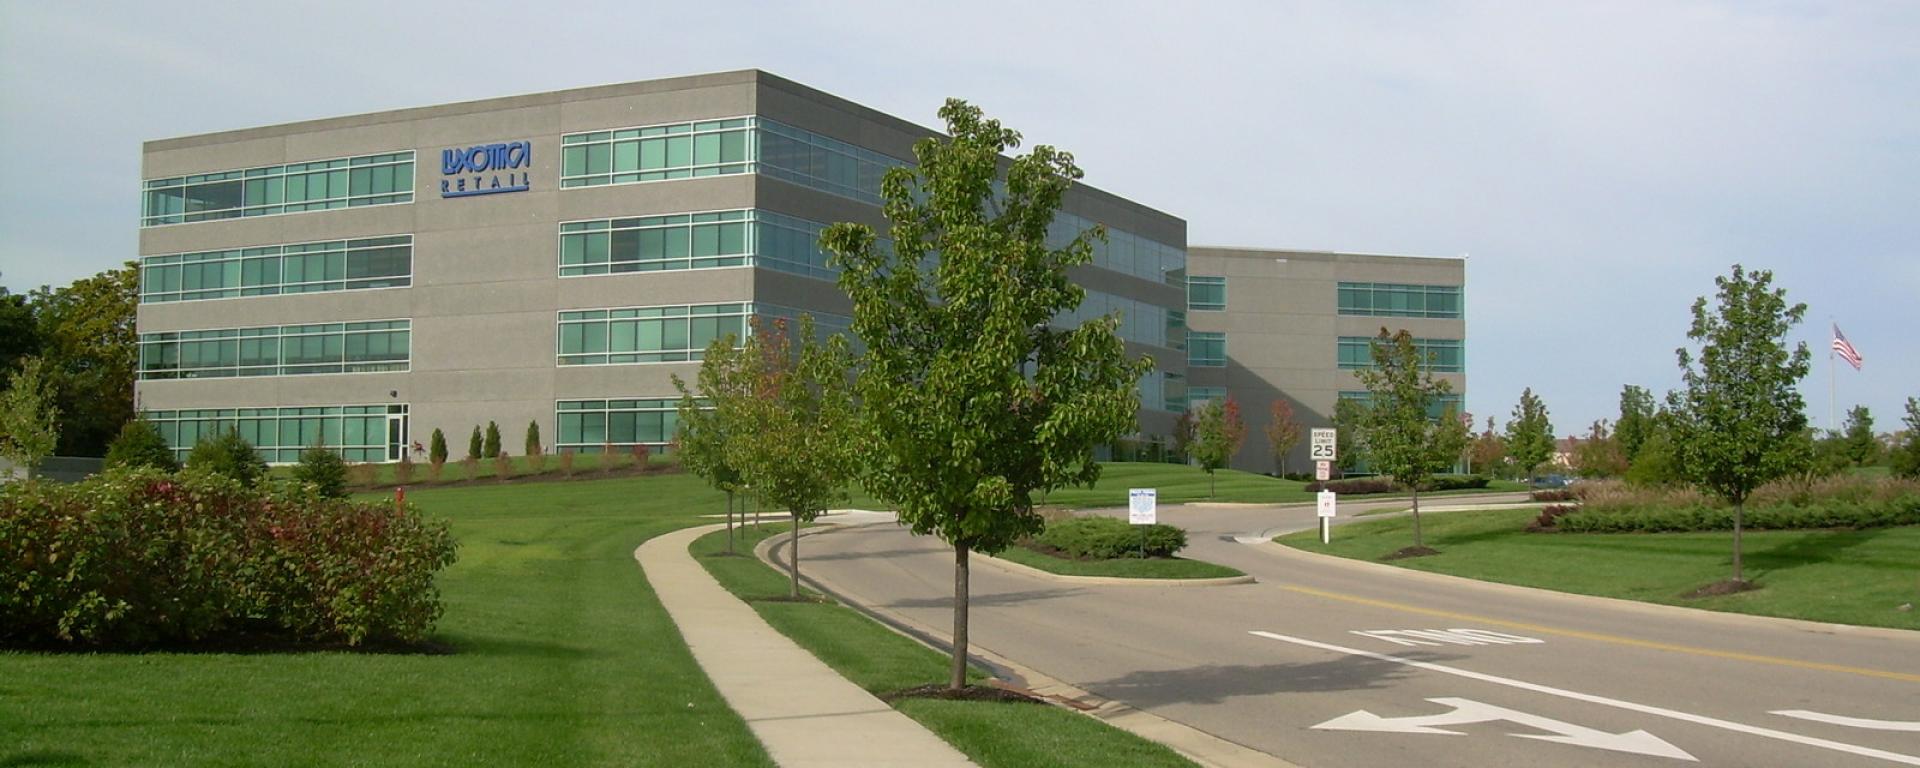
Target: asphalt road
(1323, 662)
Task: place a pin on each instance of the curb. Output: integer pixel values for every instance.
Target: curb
(1192, 743)
(1729, 617)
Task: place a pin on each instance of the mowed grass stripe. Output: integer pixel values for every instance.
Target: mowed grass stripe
(1838, 576)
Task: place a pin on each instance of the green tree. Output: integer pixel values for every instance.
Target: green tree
(324, 470)
(1861, 446)
(141, 445)
(1217, 435)
(1636, 419)
(1348, 413)
(1283, 433)
(29, 418)
(533, 439)
(228, 455)
(799, 454)
(1529, 434)
(19, 331)
(491, 449)
(474, 445)
(89, 344)
(974, 401)
(437, 447)
(1906, 458)
(1739, 420)
(1403, 441)
(701, 437)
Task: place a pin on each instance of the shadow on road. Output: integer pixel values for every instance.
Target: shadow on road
(876, 554)
(994, 599)
(1214, 684)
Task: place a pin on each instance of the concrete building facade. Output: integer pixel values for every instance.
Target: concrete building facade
(553, 258)
(1267, 325)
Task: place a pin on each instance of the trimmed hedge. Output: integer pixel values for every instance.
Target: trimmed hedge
(1107, 538)
(1818, 514)
(1354, 486)
(137, 558)
(1359, 486)
(1553, 494)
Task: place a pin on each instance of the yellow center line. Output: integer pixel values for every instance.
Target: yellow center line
(1606, 638)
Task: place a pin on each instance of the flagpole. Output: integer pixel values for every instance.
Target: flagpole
(1831, 426)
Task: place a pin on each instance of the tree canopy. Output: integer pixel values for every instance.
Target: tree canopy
(974, 401)
(1403, 440)
(1738, 421)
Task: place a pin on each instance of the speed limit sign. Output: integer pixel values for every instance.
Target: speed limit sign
(1321, 446)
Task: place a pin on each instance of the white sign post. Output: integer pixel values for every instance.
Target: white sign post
(1326, 504)
(1321, 446)
(1141, 503)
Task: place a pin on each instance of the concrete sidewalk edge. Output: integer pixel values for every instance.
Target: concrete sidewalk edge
(1199, 746)
(803, 712)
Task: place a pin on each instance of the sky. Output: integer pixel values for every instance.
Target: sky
(1598, 164)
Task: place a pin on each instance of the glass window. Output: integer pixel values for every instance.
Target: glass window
(276, 350)
(1392, 300)
(1442, 355)
(1206, 349)
(280, 435)
(587, 426)
(1206, 293)
(376, 180)
(337, 265)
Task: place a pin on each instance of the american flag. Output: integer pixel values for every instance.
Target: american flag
(1845, 348)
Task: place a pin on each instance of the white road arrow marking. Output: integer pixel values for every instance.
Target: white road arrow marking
(1851, 722)
(1685, 717)
(1469, 711)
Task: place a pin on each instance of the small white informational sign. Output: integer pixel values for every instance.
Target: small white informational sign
(1320, 446)
(1322, 470)
(1326, 502)
(1140, 505)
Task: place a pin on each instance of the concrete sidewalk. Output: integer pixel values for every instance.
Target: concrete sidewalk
(803, 712)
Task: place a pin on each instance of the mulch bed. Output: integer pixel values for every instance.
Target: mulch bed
(969, 693)
(1412, 552)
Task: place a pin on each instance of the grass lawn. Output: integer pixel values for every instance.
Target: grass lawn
(1180, 484)
(1840, 576)
(994, 735)
(1123, 567)
(563, 656)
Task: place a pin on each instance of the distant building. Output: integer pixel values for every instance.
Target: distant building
(1272, 324)
(357, 282)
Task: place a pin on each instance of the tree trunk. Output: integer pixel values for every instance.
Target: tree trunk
(959, 678)
(1737, 514)
(1416, 516)
(1209, 484)
(729, 522)
(793, 565)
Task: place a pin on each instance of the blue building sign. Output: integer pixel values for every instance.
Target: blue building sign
(486, 169)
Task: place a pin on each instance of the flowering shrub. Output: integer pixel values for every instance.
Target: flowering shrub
(134, 558)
